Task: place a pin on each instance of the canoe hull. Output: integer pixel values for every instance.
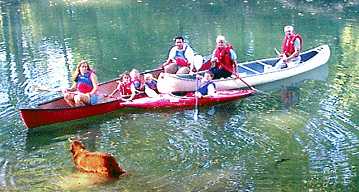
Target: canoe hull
(169, 83)
(38, 117)
(166, 101)
(57, 110)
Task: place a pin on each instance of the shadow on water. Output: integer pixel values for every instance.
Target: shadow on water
(88, 129)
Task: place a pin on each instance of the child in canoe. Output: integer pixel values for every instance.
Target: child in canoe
(207, 86)
(150, 85)
(123, 87)
(136, 86)
(130, 85)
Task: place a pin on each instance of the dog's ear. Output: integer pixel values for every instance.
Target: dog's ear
(77, 144)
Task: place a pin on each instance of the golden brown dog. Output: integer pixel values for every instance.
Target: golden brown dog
(95, 162)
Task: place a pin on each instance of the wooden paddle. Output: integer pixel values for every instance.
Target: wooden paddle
(44, 88)
(151, 93)
(195, 115)
(151, 71)
(276, 51)
(280, 59)
(249, 86)
(197, 63)
(38, 88)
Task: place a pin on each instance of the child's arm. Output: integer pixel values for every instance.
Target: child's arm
(133, 93)
(115, 90)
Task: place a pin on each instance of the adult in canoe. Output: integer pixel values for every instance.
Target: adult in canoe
(223, 58)
(83, 90)
(180, 58)
(291, 46)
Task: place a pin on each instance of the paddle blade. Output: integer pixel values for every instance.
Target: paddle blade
(195, 115)
(38, 88)
(197, 62)
(151, 93)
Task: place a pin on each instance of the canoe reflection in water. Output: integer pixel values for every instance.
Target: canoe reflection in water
(289, 96)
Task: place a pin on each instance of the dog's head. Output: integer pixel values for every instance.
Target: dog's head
(76, 146)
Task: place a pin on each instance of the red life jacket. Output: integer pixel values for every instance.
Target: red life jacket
(180, 57)
(288, 44)
(125, 88)
(182, 62)
(224, 58)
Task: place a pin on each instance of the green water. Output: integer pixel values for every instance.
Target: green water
(299, 136)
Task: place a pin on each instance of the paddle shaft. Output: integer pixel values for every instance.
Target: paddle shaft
(42, 88)
(250, 87)
(196, 101)
(151, 71)
(276, 51)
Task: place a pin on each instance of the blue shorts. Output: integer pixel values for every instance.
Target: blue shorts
(93, 99)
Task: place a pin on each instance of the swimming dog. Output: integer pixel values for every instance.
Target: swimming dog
(95, 162)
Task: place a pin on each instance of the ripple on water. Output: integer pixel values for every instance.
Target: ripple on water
(331, 144)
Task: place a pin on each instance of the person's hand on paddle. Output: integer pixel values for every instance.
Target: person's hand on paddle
(235, 75)
(214, 60)
(169, 61)
(198, 77)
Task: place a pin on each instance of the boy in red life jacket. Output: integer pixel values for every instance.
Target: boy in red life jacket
(224, 59)
(180, 58)
(123, 86)
(291, 46)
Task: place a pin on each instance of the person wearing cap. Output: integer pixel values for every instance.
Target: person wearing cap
(224, 59)
(180, 58)
(291, 46)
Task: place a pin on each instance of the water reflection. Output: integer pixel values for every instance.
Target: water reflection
(289, 96)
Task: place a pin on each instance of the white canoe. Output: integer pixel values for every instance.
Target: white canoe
(253, 72)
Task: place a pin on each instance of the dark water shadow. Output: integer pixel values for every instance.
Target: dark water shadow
(87, 129)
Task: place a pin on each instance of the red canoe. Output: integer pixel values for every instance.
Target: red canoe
(57, 110)
(170, 101)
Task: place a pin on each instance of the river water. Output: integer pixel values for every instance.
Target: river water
(300, 135)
